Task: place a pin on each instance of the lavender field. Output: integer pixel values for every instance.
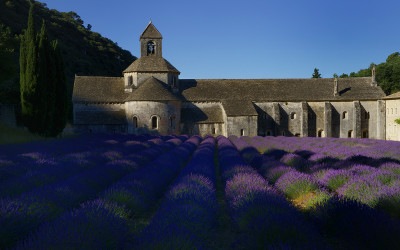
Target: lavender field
(113, 191)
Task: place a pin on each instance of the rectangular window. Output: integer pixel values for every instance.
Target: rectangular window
(242, 132)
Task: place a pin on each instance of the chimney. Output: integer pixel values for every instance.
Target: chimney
(373, 78)
(335, 88)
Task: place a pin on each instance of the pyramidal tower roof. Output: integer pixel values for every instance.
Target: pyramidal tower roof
(151, 32)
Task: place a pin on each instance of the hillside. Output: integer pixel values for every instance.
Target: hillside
(85, 52)
(387, 73)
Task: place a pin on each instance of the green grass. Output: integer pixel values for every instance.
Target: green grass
(10, 134)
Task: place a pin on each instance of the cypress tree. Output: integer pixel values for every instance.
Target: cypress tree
(29, 76)
(61, 100)
(43, 85)
(46, 82)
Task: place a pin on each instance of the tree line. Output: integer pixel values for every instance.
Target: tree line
(387, 73)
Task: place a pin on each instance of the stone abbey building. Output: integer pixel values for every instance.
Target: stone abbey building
(150, 96)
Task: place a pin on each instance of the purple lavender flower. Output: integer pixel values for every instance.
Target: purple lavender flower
(334, 179)
(295, 184)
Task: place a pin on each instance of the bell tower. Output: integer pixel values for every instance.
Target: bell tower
(151, 42)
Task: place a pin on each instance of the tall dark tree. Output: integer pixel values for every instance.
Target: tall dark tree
(29, 68)
(61, 101)
(316, 73)
(43, 84)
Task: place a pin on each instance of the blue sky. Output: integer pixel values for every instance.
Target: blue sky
(249, 38)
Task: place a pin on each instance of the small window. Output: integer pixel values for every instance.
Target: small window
(130, 80)
(242, 132)
(350, 134)
(344, 116)
(174, 82)
(135, 121)
(365, 134)
(321, 133)
(293, 115)
(268, 132)
(366, 115)
(213, 131)
(172, 121)
(154, 122)
(297, 135)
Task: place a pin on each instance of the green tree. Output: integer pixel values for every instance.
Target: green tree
(343, 75)
(46, 88)
(7, 68)
(61, 101)
(43, 86)
(335, 75)
(316, 73)
(29, 68)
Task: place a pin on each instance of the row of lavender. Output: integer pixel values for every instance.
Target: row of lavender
(337, 148)
(46, 192)
(340, 194)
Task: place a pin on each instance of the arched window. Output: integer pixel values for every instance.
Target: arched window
(172, 121)
(151, 48)
(350, 134)
(321, 133)
(242, 132)
(344, 116)
(213, 131)
(135, 121)
(174, 82)
(154, 122)
(130, 80)
(293, 115)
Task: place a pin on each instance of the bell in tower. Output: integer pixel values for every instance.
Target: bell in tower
(151, 41)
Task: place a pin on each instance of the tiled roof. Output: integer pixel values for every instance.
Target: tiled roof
(203, 115)
(393, 96)
(239, 108)
(151, 32)
(315, 89)
(98, 89)
(151, 64)
(152, 90)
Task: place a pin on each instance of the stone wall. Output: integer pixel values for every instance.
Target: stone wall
(371, 117)
(146, 110)
(392, 113)
(100, 128)
(203, 129)
(316, 118)
(242, 125)
(7, 114)
(343, 119)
